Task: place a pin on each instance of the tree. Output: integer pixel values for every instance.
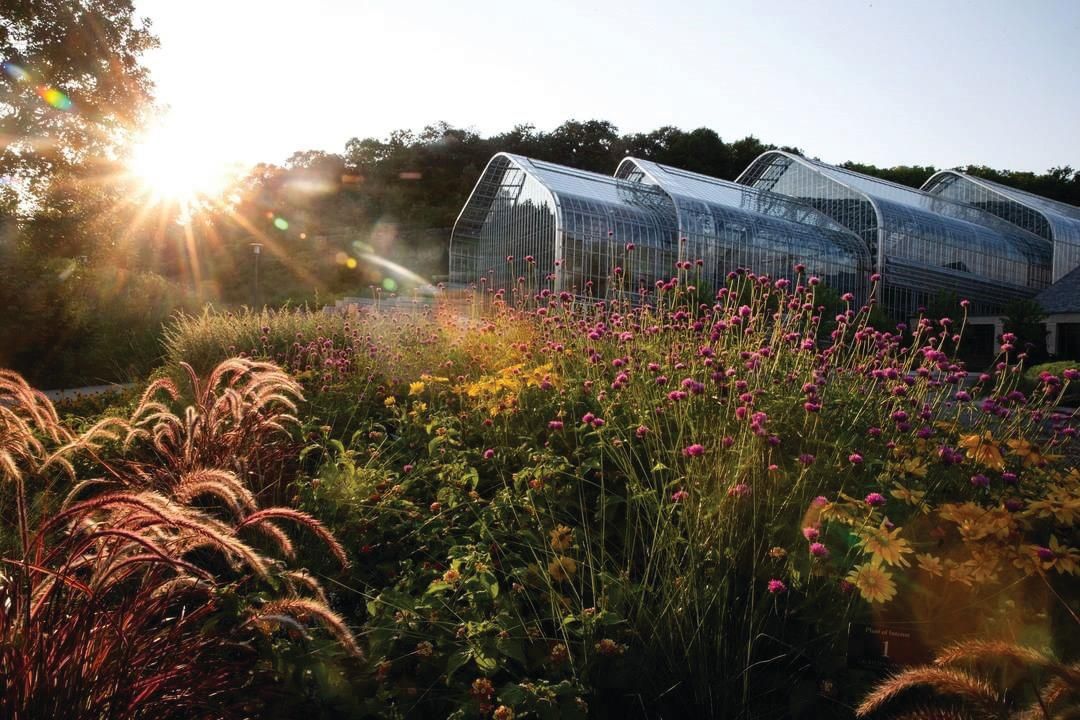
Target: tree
(72, 85)
(1024, 318)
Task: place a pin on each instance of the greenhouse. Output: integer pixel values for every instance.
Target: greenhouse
(528, 218)
(729, 226)
(1056, 222)
(921, 243)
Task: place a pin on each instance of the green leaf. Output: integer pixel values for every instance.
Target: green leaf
(455, 661)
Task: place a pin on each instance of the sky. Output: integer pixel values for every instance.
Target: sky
(913, 82)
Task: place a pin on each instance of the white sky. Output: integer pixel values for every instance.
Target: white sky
(941, 82)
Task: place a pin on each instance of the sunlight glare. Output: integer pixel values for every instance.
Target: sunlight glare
(176, 165)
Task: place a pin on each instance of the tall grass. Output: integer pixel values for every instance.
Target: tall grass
(136, 596)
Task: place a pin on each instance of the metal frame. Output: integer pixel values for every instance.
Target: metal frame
(1057, 222)
(921, 243)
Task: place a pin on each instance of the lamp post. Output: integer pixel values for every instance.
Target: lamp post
(257, 249)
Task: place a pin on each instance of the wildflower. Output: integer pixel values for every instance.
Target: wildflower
(641, 431)
(777, 587)
(855, 459)
(811, 533)
(914, 466)
(739, 490)
(424, 648)
(980, 480)
(806, 459)
(777, 553)
(587, 418)
(875, 499)
(555, 425)
(679, 496)
(390, 401)
(911, 497)
(695, 450)
(559, 653)
(562, 568)
(503, 713)
(819, 550)
(482, 688)
(885, 546)
(873, 582)
(930, 564)
(488, 454)
(435, 506)
(1026, 451)
(562, 538)
(415, 388)
(451, 576)
(983, 450)
(1009, 478)
(609, 647)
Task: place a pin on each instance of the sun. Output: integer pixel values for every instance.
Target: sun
(174, 166)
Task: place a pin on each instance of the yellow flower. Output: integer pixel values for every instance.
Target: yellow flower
(911, 497)
(562, 538)
(874, 583)
(562, 568)
(1062, 503)
(929, 563)
(983, 450)
(914, 466)
(390, 401)
(434, 378)
(415, 388)
(885, 546)
(978, 523)
(1026, 451)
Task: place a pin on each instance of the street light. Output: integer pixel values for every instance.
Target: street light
(257, 249)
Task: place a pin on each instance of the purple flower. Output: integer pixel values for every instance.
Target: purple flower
(811, 533)
(695, 450)
(855, 459)
(587, 418)
(555, 425)
(806, 459)
(776, 587)
(488, 454)
(641, 431)
(1009, 478)
(679, 496)
(818, 550)
(980, 480)
(1046, 554)
(740, 490)
(875, 499)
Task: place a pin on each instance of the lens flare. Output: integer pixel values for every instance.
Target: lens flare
(281, 223)
(15, 72)
(54, 97)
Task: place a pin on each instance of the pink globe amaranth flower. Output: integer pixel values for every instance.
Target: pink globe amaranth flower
(679, 496)
(800, 268)
(587, 418)
(875, 277)
(811, 533)
(980, 480)
(819, 501)
(407, 468)
(727, 441)
(641, 431)
(819, 550)
(598, 422)
(629, 247)
(777, 587)
(1071, 374)
(488, 454)
(1009, 478)
(740, 490)
(695, 450)
(855, 459)
(875, 499)
(806, 459)
(1046, 554)
(530, 259)
(555, 425)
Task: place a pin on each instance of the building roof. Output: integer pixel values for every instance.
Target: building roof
(1063, 296)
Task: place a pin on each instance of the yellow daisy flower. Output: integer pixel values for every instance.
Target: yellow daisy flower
(415, 388)
(930, 564)
(983, 450)
(885, 546)
(875, 584)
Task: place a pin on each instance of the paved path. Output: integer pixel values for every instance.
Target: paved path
(89, 390)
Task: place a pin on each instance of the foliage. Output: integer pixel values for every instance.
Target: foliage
(73, 81)
(674, 507)
(137, 596)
